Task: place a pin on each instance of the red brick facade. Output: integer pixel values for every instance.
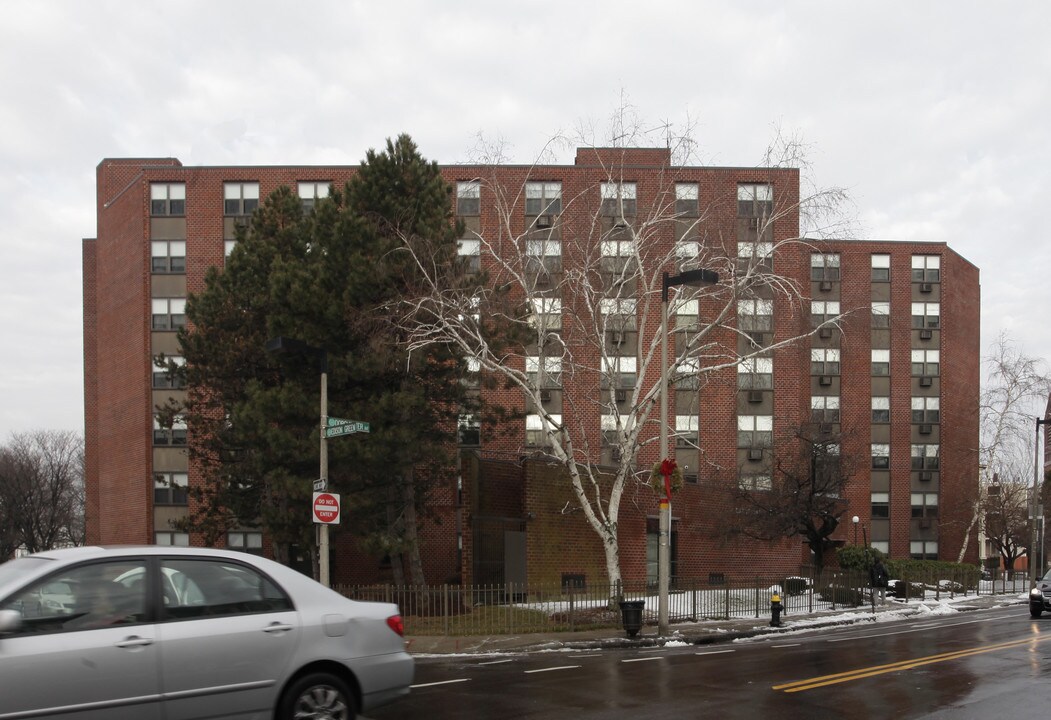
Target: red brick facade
(503, 499)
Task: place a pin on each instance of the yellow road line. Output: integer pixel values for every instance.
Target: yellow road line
(816, 682)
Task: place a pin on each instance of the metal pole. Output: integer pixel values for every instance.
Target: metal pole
(663, 547)
(323, 569)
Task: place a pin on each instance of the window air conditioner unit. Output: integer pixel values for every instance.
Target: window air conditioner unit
(933, 322)
(826, 285)
(621, 395)
(545, 396)
(925, 523)
(925, 429)
(753, 224)
(825, 332)
(755, 396)
(544, 221)
(926, 287)
(542, 278)
(926, 381)
(825, 428)
(616, 337)
(825, 380)
(614, 454)
(926, 334)
(926, 475)
(756, 338)
(755, 454)
(683, 442)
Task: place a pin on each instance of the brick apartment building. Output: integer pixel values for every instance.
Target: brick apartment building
(900, 371)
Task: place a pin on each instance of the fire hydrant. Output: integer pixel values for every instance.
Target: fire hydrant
(775, 610)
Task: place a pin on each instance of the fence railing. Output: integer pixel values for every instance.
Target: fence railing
(513, 609)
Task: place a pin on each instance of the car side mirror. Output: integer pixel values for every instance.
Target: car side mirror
(10, 621)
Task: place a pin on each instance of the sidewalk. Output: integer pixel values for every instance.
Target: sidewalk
(703, 632)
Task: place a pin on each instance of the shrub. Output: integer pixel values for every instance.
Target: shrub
(855, 557)
(841, 595)
(794, 585)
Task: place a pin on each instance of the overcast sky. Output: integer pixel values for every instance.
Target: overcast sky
(934, 115)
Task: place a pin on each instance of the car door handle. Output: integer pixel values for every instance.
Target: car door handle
(277, 627)
(134, 641)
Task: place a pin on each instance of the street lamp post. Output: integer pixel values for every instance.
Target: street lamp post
(687, 277)
(855, 520)
(1035, 503)
(284, 345)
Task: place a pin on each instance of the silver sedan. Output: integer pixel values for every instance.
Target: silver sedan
(137, 633)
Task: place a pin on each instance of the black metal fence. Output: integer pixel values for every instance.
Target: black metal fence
(509, 608)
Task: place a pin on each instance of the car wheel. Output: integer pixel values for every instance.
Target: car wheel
(1035, 612)
(318, 696)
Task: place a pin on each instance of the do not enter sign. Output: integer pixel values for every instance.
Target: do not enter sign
(326, 508)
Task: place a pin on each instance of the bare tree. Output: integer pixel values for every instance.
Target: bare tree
(582, 285)
(803, 497)
(1006, 516)
(1016, 391)
(42, 489)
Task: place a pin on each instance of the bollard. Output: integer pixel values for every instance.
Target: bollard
(775, 610)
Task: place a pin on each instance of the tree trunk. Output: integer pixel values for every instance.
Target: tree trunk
(412, 540)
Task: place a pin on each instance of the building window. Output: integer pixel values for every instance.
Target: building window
(824, 266)
(618, 199)
(686, 196)
(926, 268)
(755, 315)
(824, 408)
(824, 361)
(617, 248)
(926, 315)
(686, 428)
(924, 457)
(754, 481)
(922, 549)
(924, 505)
(168, 256)
(822, 311)
(311, 192)
(173, 539)
(880, 505)
(541, 248)
(880, 456)
(925, 362)
(536, 436)
(881, 314)
(544, 372)
(880, 410)
(472, 377)
(882, 545)
(468, 197)
(169, 488)
(612, 427)
(881, 362)
(240, 198)
(228, 247)
(249, 542)
(880, 268)
(619, 371)
(167, 199)
(618, 313)
(755, 431)
(168, 313)
(470, 251)
(925, 410)
(755, 374)
(543, 198)
(755, 251)
(163, 379)
(755, 199)
(687, 250)
(547, 313)
(469, 430)
(686, 374)
(174, 435)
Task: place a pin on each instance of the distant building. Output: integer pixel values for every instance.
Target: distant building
(902, 372)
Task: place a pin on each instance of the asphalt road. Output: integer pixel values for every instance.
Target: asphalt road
(977, 664)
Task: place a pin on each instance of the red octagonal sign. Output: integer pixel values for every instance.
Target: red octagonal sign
(326, 508)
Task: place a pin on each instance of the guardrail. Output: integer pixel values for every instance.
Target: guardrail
(511, 609)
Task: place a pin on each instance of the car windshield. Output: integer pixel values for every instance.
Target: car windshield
(14, 569)
(1047, 575)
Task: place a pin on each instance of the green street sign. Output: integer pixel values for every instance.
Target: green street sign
(346, 427)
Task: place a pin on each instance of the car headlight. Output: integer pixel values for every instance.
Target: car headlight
(1036, 594)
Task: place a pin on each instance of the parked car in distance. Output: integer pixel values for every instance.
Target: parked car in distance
(143, 633)
(1040, 596)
